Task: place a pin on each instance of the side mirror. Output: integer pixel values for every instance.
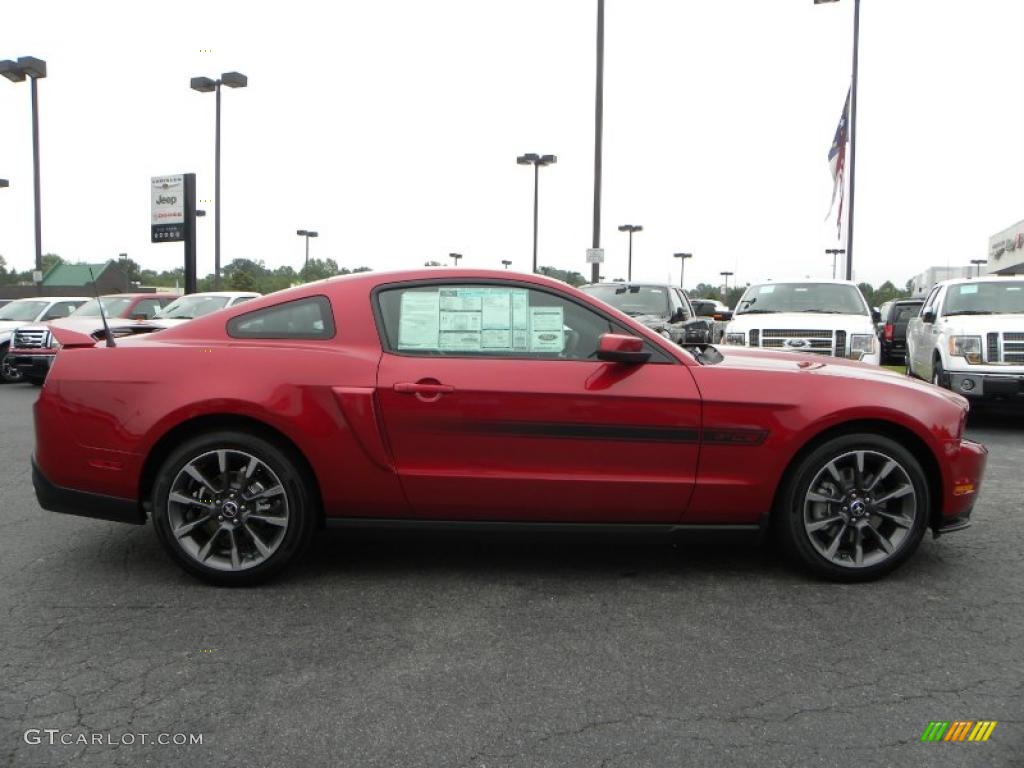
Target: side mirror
(876, 315)
(678, 316)
(928, 316)
(619, 348)
(697, 332)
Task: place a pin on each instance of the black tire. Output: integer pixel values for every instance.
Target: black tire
(8, 375)
(300, 513)
(800, 544)
(938, 374)
(35, 381)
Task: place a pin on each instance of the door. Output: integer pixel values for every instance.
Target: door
(495, 408)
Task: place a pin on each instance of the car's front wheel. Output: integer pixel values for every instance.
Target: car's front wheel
(8, 373)
(232, 508)
(854, 508)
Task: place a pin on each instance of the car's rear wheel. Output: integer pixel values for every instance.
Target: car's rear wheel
(854, 508)
(8, 373)
(232, 508)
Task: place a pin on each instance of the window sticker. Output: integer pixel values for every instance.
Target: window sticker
(968, 289)
(418, 322)
(470, 319)
(766, 289)
(546, 329)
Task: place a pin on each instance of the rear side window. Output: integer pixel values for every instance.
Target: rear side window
(309, 318)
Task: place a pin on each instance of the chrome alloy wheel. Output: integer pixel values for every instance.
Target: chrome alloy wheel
(228, 510)
(859, 509)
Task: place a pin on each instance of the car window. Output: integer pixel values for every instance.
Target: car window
(241, 300)
(825, 298)
(147, 307)
(193, 306)
(634, 300)
(470, 320)
(1003, 298)
(929, 303)
(308, 318)
(22, 310)
(904, 312)
(60, 309)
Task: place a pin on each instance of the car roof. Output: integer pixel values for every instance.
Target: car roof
(634, 284)
(986, 279)
(137, 295)
(52, 298)
(807, 281)
(223, 294)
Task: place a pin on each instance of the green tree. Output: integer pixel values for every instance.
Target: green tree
(706, 291)
(566, 276)
(869, 293)
(131, 268)
(318, 269)
(241, 280)
(50, 260)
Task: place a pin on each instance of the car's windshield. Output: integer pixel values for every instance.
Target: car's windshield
(994, 298)
(632, 299)
(113, 306)
(189, 307)
(22, 310)
(826, 298)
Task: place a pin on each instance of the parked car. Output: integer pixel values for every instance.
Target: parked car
(446, 396)
(969, 337)
(892, 328)
(32, 347)
(665, 309)
(194, 305)
(717, 312)
(24, 312)
(821, 317)
(712, 308)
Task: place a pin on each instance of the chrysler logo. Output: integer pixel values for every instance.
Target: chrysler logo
(797, 343)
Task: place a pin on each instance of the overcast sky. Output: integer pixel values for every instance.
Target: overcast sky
(392, 128)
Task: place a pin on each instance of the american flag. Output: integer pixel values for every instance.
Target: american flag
(837, 161)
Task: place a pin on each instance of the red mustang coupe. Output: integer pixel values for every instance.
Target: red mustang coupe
(465, 396)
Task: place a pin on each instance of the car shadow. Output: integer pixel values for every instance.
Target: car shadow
(996, 417)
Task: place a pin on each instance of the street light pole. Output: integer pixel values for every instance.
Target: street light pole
(726, 275)
(455, 257)
(978, 263)
(833, 252)
(206, 84)
(536, 161)
(682, 264)
(507, 263)
(595, 276)
(307, 233)
(16, 71)
(631, 228)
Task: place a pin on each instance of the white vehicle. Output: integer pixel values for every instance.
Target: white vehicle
(38, 309)
(969, 337)
(822, 317)
(193, 305)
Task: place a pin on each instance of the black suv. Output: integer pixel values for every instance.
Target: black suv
(892, 328)
(665, 309)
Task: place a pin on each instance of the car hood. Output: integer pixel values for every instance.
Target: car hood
(802, 320)
(6, 326)
(771, 360)
(982, 324)
(651, 321)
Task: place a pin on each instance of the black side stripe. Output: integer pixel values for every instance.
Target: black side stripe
(715, 435)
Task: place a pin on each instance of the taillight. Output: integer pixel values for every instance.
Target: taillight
(888, 331)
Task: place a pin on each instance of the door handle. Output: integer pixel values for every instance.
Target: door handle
(423, 388)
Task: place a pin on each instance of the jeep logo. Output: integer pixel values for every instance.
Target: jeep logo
(165, 200)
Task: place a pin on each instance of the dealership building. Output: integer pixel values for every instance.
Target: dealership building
(1006, 251)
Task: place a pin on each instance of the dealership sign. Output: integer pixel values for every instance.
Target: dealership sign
(167, 198)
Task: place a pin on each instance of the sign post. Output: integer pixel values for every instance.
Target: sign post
(173, 212)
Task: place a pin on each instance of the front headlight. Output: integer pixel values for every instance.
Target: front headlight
(966, 346)
(861, 344)
(736, 338)
(51, 341)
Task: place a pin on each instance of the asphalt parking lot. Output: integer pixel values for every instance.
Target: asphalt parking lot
(399, 649)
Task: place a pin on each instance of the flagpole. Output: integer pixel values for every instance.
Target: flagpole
(853, 141)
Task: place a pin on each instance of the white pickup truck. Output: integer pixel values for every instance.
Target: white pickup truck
(821, 317)
(969, 337)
